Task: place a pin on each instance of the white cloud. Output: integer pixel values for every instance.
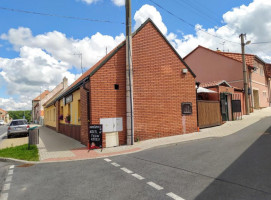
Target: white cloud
(148, 11)
(90, 1)
(11, 104)
(46, 58)
(119, 2)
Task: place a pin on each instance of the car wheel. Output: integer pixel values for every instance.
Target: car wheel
(9, 136)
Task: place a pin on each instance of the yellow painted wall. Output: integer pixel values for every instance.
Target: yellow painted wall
(74, 109)
(50, 116)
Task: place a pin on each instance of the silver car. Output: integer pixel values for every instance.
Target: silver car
(18, 127)
(2, 122)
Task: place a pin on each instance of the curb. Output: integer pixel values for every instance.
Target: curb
(17, 161)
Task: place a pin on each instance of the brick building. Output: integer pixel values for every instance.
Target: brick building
(211, 65)
(162, 83)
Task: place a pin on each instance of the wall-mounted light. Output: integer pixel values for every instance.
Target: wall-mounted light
(184, 71)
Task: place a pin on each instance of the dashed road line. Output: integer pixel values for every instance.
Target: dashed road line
(107, 160)
(115, 164)
(4, 196)
(9, 178)
(154, 185)
(138, 176)
(10, 172)
(174, 196)
(126, 170)
(6, 187)
(11, 167)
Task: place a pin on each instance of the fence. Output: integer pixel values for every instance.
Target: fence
(72, 131)
(209, 114)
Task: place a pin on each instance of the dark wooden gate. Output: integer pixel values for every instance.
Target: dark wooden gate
(209, 113)
(70, 130)
(224, 106)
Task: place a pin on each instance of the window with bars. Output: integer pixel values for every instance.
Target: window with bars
(186, 108)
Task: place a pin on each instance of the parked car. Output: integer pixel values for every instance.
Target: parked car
(18, 127)
(2, 122)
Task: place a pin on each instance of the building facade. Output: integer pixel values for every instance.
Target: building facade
(164, 93)
(211, 65)
(4, 116)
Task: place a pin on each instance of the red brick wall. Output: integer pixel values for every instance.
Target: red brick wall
(160, 88)
(83, 114)
(106, 102)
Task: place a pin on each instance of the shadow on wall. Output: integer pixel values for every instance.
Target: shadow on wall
(248, 177)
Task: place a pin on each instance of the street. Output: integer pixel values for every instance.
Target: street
(232, 167)
(3, 130)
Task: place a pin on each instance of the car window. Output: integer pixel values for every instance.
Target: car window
(17, 123)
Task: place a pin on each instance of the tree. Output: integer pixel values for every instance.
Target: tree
(18, 114)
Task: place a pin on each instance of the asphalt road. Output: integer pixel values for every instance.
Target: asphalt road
(3, 130)
(231, 167)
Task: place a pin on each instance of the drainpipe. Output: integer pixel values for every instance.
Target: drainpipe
(197, 86)
(88, 104)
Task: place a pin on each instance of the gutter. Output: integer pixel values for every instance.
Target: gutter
(88, 103)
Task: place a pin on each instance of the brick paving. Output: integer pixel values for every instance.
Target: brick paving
(57, 147)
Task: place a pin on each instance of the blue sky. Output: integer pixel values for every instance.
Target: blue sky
(19, 46)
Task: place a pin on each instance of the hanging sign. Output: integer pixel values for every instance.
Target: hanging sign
(95, 136)
(68, 99)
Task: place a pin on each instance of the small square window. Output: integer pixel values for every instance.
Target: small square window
(187, 108)
(116, 86)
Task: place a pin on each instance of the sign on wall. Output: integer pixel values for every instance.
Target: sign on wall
(68, 99)
(112, 124)
(95, 136)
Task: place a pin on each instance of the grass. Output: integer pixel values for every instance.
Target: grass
(21, 152)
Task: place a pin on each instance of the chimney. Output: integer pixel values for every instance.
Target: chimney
(65, 82)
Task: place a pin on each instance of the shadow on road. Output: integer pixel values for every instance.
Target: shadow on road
(248, 177)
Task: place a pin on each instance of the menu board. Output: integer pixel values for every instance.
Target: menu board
(96, 136)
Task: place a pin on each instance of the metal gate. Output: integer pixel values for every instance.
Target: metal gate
(224, 106)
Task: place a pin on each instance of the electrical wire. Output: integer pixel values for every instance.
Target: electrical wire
(60, 16)
(189, 24)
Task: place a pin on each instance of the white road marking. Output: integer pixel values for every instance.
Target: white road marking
(10, 172)
(11, 167)
(8, 179)
(107, 160)
(154, 185)
(6, 186)
(138, 176)
(4, 196)
(174, 196)
(3, 135)
(126, 170)
(115, 164)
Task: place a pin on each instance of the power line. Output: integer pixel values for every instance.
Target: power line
(184, 21)
(261, 42)
(60, 16)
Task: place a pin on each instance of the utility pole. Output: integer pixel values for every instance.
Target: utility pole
(129, 76)
(245, 73)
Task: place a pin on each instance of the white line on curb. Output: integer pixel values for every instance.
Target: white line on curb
(8, 179)
(3, 135)
(126, 170)
(107, 160)
(11, 167)
(154, 185)
(10, 172)
(138, 176)
(115, 164)
(6, 186)
(4, 196)
(174, 196)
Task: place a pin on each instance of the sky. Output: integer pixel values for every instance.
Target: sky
(41, 41)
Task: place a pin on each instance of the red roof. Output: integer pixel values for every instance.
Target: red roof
(238, 56)
(214, 83)
(41, 96)
(3, 111)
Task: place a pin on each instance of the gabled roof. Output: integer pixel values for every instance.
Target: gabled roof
(233, 56)
(215, 83)
(238, 56)
(41, 96)
(90, 72)
(2, 111)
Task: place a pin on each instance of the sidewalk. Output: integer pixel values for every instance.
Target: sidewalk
(57, 147)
